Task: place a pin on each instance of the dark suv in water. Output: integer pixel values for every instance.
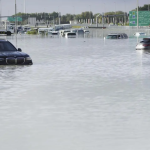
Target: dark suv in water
(117, 36)
(9, 55)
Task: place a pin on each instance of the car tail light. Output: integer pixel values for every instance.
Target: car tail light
(146, 44)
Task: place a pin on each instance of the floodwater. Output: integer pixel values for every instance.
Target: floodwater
(80, 94)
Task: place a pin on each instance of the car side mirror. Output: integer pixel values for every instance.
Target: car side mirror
(19, 49)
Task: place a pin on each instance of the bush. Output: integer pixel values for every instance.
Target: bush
(76, 26)
(32, 32)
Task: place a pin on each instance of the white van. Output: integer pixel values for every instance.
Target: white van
(6, 29)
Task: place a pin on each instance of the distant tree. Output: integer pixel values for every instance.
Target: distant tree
(68, 17)
(143, 8)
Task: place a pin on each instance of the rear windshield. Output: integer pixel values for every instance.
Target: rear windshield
(6, 46)
(145, 41)
(71, 34)
(80, 31)
(112, 37)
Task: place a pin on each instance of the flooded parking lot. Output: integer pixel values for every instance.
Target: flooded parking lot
(80, 93)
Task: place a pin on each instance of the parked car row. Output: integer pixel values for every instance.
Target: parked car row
(71, 33)
(9, 55)
(142, 45)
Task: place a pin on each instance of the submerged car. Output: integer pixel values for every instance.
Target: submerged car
(70, 35)
(144, 44)
(63, 32)
(137, 34)
(53, 32)
(9, 55)
(86, 31)
(117, 36)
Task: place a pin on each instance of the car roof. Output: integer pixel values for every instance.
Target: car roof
(117, 33)
(3, 40)
(146, 38)
(113, 34)
(139, 32)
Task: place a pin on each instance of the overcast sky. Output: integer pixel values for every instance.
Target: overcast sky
(69, 6)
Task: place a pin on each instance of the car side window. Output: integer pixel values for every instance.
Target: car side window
(1, 47)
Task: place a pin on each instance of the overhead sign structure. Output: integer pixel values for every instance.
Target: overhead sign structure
(12, 19)
(144, 18)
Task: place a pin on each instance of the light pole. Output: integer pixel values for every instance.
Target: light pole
(96, 20)
(104, 14)
(15, 17)
(29, 20)
(53, 19)
(59, 16)
(16, 21)
(0, 11)
(24, 6)
(115, 14)
(137, 15)
(125, 14)
(90, 14)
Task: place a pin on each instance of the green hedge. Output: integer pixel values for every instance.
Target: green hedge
(32, 32)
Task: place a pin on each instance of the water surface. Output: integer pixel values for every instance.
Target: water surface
(80, 94)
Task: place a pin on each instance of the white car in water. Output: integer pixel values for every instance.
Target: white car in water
(86, 31)
(137, 34)
(70, 35)
(144, 44)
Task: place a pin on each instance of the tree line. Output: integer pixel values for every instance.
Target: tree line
(84, 16)
(118, 16)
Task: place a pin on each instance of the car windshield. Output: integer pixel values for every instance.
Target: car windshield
(6, 46)
(112, 37)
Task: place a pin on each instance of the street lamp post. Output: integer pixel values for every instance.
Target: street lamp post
(15, 17)
(0, 11)
(24, 6)
(59, 16)
(103, 19)
(90, 15)
(16, 21)
(29, 20)
(125, 14)
(137, 15)
(53, 19)
(96, 20)
(115, 14)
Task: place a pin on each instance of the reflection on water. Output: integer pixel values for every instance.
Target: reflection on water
(147, 52)
(81, 93)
